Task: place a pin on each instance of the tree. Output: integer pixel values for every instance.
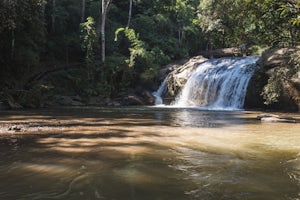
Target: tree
(22, 36)
(129, 13)
(290, 12)
(53, 16)
(89, 39)
(83, 11)
(105, 5)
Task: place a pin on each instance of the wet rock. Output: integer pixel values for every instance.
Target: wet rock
(266, 117)
(96, 101)
(132, 100)
(178, 77)
(260, 116)
(150, 98)
(111, 102)
(275, 119)
(68, 100)
(16, 128)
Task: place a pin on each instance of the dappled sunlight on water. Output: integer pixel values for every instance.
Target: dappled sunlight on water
(147, 153)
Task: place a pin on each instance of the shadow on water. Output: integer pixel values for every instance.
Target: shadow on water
(89, 156)
(77, 167)
(146, 116)
(144, 153)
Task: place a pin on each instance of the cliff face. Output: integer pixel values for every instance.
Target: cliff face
(276, 85)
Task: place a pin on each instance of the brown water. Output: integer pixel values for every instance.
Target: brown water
(146, 153)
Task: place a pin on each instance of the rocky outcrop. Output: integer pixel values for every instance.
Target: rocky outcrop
(276, 85)
(178, 77)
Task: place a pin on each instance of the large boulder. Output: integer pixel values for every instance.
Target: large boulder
(276, 85)
(275, 57)
(180, 74)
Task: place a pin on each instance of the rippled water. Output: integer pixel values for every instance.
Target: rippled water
(146, 153)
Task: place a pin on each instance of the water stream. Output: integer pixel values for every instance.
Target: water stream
(147, 153)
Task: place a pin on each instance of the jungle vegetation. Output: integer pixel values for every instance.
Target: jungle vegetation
(106, 47)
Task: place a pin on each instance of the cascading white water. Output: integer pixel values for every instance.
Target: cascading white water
(157, 94)
(218, 84)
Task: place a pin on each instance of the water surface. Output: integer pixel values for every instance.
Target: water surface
(146, 153)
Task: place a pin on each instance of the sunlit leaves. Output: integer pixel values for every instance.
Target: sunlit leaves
(137, 47)
(291, 10)
(89, 37)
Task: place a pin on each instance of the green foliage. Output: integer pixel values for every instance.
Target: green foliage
(66, 82)
(37, 35)
(89, 38)
(232, 22)
(291, 10)
(137, 47)
(22, 35)
(294, 63)
(118, 75)
(272, 91)
(257, 50)
(143, 60)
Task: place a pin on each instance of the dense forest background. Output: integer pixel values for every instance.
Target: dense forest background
(105, 48)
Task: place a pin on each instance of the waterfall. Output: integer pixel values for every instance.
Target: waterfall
(158, 93)
(219, 84)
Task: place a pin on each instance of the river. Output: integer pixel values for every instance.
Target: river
(147, 153)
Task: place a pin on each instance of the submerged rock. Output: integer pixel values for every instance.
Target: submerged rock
(266, 117)
(16, 128)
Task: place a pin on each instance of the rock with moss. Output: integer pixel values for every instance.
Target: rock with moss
(279, 78)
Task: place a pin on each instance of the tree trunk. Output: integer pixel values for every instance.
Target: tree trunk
(13, 39)
(105, 4)
(129, 13)
(53, 16)
(12, 19)
(180, 33)
(83, 11)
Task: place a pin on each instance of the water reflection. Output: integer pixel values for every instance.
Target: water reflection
(194, 118)
(227, 176)
(208, 119)
(145, 153)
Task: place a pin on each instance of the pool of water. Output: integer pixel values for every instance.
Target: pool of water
(147, 153)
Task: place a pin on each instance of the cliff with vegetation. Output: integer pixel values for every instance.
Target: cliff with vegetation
(276, 85)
